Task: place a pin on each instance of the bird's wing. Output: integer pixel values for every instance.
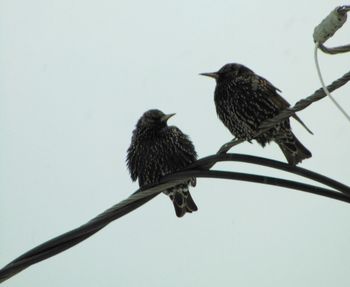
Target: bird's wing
(185, 151)
(302, 123)
(272, 93)
(131, 162)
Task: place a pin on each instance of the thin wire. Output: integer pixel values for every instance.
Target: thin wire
(324, 86)
(335, 50)
(209, 161)
(269, 181)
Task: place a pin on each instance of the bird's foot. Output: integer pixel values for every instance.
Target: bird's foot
(227, 146)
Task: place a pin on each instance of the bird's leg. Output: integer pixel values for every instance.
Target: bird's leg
(227, 146)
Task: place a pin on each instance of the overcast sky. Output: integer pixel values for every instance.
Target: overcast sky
(75, 76)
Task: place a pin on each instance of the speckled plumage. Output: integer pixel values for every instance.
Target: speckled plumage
(156, 150)
(244, 100)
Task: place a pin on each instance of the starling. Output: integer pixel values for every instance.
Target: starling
(244, 100)
(156, 150)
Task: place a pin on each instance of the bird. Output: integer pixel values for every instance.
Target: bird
(156, 150)
(244, 100)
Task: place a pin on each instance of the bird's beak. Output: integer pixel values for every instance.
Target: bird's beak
(166, 117)
(211, 75)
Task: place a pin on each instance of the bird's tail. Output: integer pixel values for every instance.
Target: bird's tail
(182, 199)
(293, 149)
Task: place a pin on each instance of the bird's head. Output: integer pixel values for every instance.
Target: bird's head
(154, 119)
(228, 71)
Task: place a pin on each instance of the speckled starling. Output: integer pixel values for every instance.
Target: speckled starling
(156, 150)
(244, 100)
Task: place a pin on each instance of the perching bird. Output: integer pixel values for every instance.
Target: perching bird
(244, 100)
(156, 150)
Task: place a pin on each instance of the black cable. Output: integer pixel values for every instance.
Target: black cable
(209, 161)
(265, 180)
(67, 240)
(73, 237)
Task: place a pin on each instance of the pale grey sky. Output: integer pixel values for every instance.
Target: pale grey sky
(74, 78)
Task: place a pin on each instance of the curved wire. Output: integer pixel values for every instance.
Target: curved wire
(199, 169)
(334, 101)
(335, 50)
(266, 180)
(209, 161)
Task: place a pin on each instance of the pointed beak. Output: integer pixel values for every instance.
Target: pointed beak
(166, 117)
(211, 75)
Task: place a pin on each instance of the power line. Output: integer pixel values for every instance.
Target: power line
(137, 199)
